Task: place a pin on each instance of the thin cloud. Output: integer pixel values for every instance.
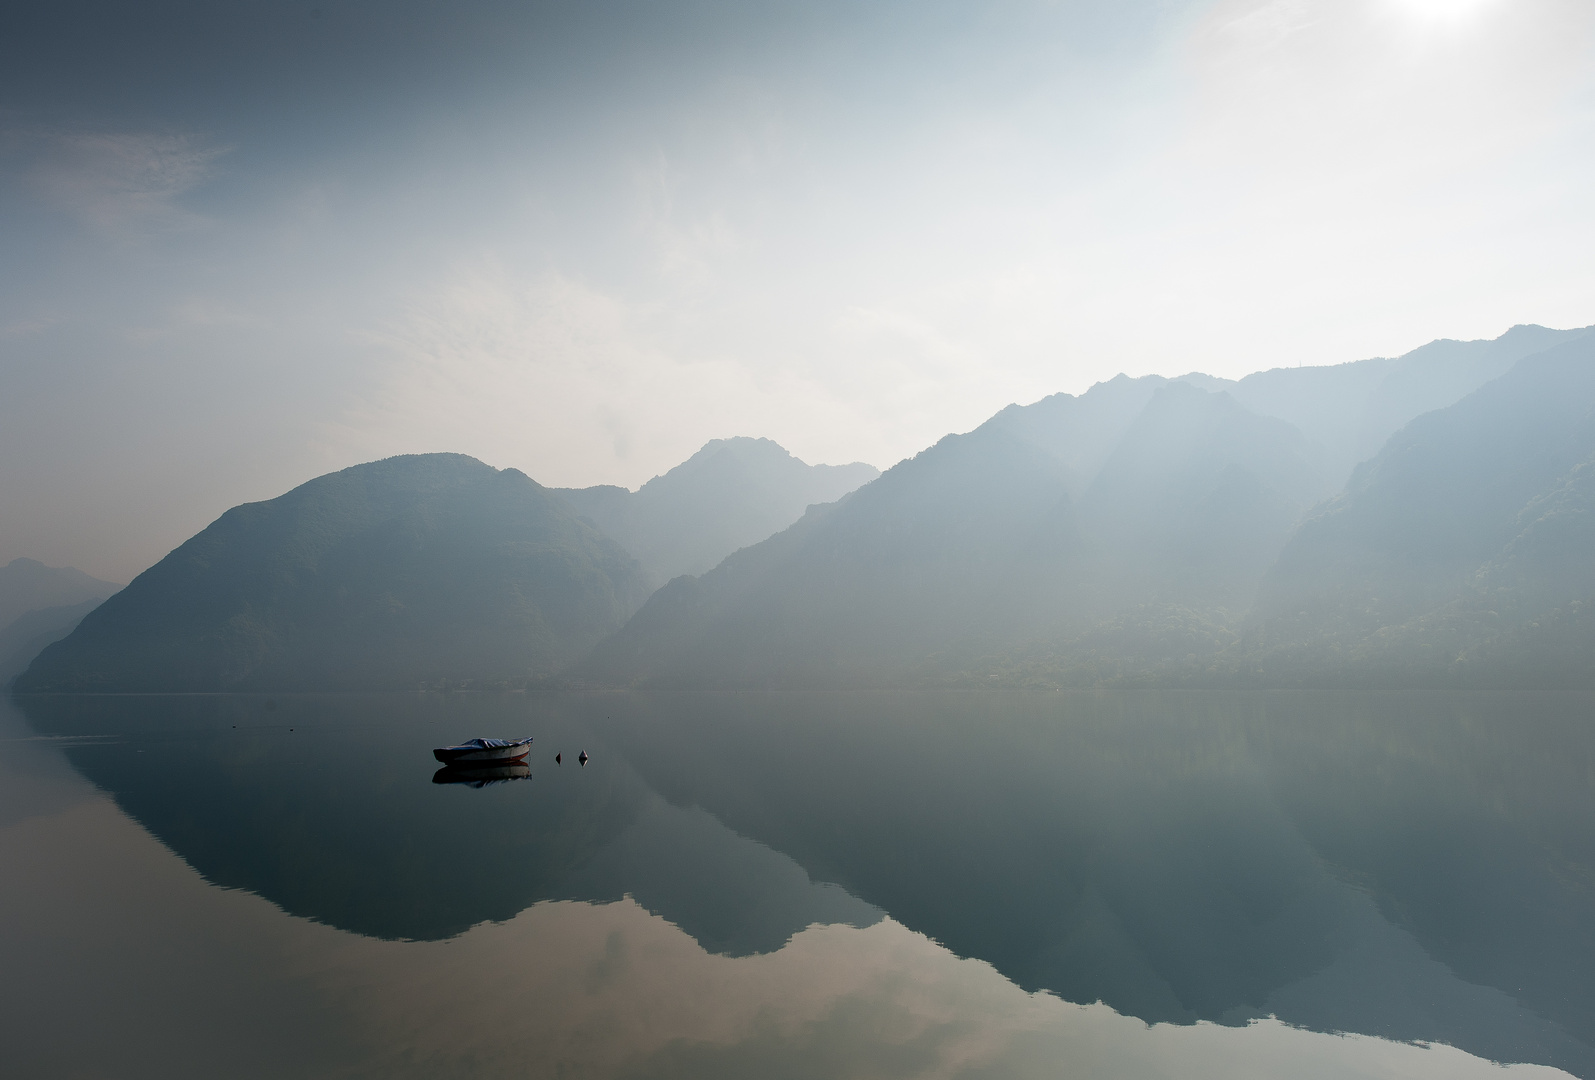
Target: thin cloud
(119, 182)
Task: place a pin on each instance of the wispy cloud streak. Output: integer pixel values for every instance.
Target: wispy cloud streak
(118, 182)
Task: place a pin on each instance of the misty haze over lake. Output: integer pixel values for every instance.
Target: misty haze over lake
(833, 540)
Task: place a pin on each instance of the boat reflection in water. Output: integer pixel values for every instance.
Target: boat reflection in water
(481, 777)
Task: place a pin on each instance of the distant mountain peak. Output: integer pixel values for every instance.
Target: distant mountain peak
(745, 449)
(28, 585)
(731, 493)
(743, 444)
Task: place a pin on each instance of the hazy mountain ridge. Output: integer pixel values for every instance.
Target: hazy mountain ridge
(1464, 550)
(1124, 535)
(861, 574)
(988, 541)
(1349, 410)
(39, 605)
(731, 493)
(1147, 531)
(29, 585)
(392, 574)
(1451, 548)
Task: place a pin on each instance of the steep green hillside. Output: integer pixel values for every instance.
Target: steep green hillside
(732, 493)
(404, 572)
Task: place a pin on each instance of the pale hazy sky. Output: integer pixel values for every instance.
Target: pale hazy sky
(247, 243)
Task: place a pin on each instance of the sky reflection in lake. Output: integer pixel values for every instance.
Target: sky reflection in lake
(791, 886)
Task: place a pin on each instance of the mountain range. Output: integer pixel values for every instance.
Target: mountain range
(1042, 523)
(1157, 530)
(424, 570)
(1424, 517)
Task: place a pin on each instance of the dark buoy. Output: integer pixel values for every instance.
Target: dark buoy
(583, 757)
(556, 759)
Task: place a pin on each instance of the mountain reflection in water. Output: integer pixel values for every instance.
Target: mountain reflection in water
(327, 812)
(1416, 868)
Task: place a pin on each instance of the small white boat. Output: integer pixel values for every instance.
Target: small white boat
(480, 752)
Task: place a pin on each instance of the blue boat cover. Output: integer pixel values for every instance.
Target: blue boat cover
(485, 744)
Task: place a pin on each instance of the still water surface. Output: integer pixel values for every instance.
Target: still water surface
(988, 885)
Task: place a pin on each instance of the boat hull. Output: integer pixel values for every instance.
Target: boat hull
(483, 755)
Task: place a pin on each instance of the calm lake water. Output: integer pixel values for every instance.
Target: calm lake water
(982, 885)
